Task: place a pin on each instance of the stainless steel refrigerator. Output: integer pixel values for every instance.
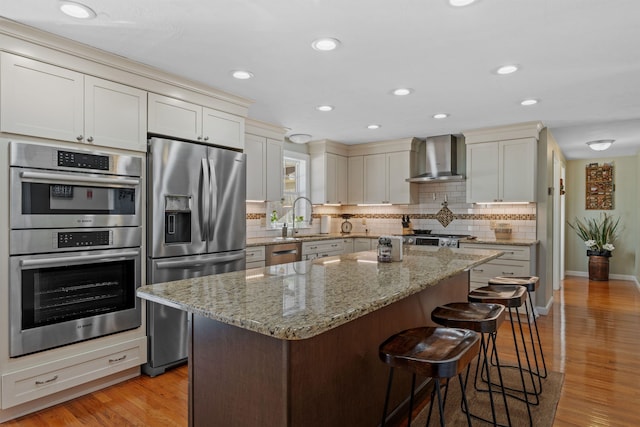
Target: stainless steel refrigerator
(196, 227)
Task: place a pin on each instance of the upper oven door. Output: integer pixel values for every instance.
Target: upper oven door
(51, 199)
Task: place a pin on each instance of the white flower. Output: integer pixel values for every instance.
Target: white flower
(608, 247)
(590, 243)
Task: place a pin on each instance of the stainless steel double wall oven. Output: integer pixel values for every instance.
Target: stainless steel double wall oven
(75, 257)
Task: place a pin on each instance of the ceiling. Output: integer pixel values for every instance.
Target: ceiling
(579, 58)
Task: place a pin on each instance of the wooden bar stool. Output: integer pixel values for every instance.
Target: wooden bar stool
(436, 353)
(512, 297)
(531, 284)
(485, 319)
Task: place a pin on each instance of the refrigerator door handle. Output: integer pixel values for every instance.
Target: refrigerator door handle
(213, 191)
(215, 259)
(204, 201)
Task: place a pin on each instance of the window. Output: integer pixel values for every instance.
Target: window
(296, 184)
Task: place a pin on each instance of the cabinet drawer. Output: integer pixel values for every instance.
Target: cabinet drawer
(42, 380)
(255, 254)
(499, 267)
(255, 264)
(510, 252)
(323, 246)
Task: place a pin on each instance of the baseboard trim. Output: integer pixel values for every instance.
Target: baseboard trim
(544, 310)
(611, 276)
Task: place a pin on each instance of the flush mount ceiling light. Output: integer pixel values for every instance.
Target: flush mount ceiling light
(300, 138)
(403, 91)
(440, 116)
(600, 145)
(373, 127)
(507, 69)
(77, 10)
(528, 102)
(242, 74)
(460, 3)
(324, 108)
(325, 44)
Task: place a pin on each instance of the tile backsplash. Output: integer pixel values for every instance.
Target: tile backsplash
(463, 218)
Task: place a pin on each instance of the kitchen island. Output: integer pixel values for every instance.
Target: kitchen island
(296, 344)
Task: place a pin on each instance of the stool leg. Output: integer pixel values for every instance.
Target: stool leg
(494, 349)
(535, 324)
(464, 400)
(386, 398)
(537, 389)
(524, 385)
(440, 403)
(413, 388)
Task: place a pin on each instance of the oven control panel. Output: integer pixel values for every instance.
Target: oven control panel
(74, 239)
(83, 160)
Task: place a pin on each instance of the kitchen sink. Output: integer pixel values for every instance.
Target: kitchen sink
(285, 239)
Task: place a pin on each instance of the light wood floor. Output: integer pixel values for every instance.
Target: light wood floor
(592, 335)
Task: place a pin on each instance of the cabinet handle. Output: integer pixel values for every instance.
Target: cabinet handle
(119, 359)
(50, 380)
(510, 253)
(509, 273)
(250, 254)
(479, 270)
(79, 137)
(199, 138)
(206, 138)
(90, 139)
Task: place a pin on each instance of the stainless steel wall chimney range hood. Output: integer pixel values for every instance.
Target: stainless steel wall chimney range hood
(440, 160)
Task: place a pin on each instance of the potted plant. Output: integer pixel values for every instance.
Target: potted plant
(598, 235)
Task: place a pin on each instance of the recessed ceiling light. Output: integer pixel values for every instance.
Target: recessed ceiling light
(403, 91)
(242, 74)
(507, 69)
(373, 127)
(325, 44)
(441, 116)
(459, 3)
(527, 102)
(600, 145)
(324, 108)
(77, 10)
(300, 138)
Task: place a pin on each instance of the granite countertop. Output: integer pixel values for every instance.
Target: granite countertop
(266, 241)
(513, 242)
(306, 298)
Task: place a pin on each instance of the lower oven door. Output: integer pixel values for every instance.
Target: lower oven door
(58, 299)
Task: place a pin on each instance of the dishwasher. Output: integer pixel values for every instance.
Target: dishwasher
(283, 253)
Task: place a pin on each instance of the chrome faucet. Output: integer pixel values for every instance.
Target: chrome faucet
(293, 227)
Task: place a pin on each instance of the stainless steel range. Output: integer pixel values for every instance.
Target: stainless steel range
(434, 239)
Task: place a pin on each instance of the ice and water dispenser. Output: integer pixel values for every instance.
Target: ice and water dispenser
(177, 219)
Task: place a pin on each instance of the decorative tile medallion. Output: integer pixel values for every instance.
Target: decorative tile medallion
(444, 216)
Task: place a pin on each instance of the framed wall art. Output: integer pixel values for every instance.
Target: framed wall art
(600, 186)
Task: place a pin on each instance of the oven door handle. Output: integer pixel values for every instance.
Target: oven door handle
(79, 179)
(60, 261)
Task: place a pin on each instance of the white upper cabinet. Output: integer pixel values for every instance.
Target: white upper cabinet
(329, 173)
(264, 168)
(51, 102)
(181, 119)
(385, 178)
(355, 180)
(115, 115)
(502, 171)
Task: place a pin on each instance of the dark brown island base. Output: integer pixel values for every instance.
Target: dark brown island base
(297, 344)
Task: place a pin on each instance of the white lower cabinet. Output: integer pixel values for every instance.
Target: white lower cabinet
(322, 248)
(361, 244)
(255, 257)
(516, 261)
(348, 245)
(42, 380)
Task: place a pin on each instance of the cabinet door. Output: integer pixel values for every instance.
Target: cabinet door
(518, 167)
(348, 245)
(39, 99)
(355, 171)
(255, 149)
(342, 176)
(331, 178)
(173, 117)
(115, 115)
(222, 129)
(375, 180)
(482, 172)
(274, 170)
(361, 244)
(398, 170)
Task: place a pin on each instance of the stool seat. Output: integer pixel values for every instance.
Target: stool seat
(530, 282)
(511, 296)
(431, 352)
(478, 317)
